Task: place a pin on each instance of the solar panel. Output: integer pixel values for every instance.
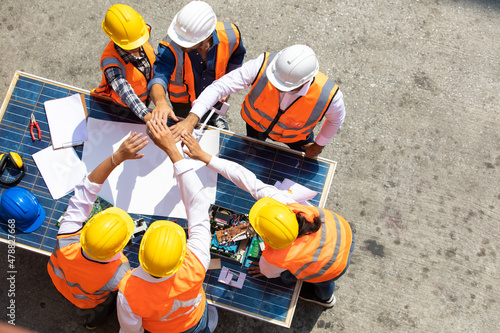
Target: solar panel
(265, 299)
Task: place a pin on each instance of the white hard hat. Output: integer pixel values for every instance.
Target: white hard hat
(292, 67)
(194, 23)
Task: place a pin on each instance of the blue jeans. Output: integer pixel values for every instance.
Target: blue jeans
(324, 290)
(202, 326)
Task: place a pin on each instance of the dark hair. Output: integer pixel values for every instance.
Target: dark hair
(306, 227)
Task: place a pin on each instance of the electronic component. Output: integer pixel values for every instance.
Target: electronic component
(254, 250)
(140, 227)
(222, 218)
(231, 231)
(233, 234)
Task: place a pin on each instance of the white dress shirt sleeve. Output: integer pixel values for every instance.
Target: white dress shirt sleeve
(129, 321)
(194, 197)
(247, 181)
(269, 270)
(79, 206)
(236, 80)
(334, 117)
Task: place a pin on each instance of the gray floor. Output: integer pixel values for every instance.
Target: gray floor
(418, 155)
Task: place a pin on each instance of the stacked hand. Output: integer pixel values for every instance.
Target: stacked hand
(159, 132)
(185, 126)
(129, 148)
(194, 149)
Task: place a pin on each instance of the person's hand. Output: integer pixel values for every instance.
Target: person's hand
(184, 127)
(224, 99)
(194, 149)
(129, 148)
(160, 134)
(254, 271)
(312, 149)
(162, 111)
(147, 117)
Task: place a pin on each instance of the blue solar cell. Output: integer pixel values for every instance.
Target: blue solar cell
(261, 297)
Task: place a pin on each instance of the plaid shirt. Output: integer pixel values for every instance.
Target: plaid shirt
(119, 83)
(141, 63)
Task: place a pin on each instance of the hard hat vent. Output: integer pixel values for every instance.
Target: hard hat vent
(194, 23)
(292, 67)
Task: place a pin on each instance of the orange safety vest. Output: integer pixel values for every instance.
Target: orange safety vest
(261, 108)
(111, 58)
(181, 84)
(316, 257)
(174, 305)
(84, 282)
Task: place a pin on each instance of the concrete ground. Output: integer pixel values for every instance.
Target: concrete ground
(418, 155)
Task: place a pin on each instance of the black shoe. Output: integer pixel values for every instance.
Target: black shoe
(221, 122)
(89, 327)
(307, 294)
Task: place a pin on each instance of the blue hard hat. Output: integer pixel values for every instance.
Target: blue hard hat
(23, 207)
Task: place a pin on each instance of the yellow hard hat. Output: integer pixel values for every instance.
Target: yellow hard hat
(275, 222)
(106, 233)
(125, 27)
(163, 248)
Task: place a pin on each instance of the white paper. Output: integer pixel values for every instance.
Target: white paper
(298, 192)
(61, 170)
(67, 121)
(144, 186)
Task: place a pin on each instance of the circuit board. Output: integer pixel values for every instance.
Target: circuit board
(231, 234)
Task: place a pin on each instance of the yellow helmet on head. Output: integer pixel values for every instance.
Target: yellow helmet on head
(163, 248)
(106, 233)
(125, 27)
(275, 222)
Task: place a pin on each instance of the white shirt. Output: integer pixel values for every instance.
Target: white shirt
(247, 181)
(195, 200)
(242, 78)
(79, 206)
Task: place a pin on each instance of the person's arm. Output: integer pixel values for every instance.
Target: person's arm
(120, 85)
(129, 321)
(158, 86)
(269, 270)
(191, 190)
(334, 117)
(239, 79)
(239, 175)
(80, 205)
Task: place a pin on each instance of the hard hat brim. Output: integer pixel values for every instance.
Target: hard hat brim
(138, 43)
(35, 225)
(131, 46)
(181, 41)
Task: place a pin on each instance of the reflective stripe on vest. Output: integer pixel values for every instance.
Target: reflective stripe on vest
(261, 107)
(74, 291)
(191, 304)
(316, 257)
(181, 86)
(133, 76)
(172, 305)
(321, 245)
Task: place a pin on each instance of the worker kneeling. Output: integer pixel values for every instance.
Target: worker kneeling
(311, 244)
(303, 243)
(165, 293)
